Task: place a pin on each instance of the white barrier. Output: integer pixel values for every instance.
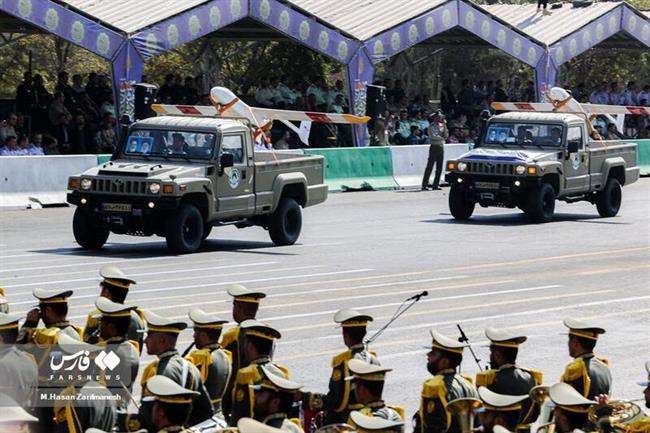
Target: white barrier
(39, 180)
(409, 162)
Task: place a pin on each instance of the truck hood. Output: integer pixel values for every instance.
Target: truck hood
(148, 170)
(507, 155)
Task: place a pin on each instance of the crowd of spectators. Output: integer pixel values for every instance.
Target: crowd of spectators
(72, 118)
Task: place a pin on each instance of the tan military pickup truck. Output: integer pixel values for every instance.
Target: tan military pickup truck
(530, 160)
(177, 177)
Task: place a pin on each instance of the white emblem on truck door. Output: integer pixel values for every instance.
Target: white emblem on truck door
(575, 160)
(234, 178)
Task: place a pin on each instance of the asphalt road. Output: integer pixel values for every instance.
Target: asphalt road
(371, 251)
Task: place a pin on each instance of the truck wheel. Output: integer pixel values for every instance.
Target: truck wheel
(206, 232)
(184, 229)
(460, 206)
(541, 204)
(286, 222)
(85, 233)
(608, 201)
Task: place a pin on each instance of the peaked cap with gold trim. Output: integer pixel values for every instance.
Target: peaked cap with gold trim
(242, 294)
(114, 276)
(259, 329)
(203, 320)
(156, 323)
(54, 296)
(447, 344)
(493, 401)
(364, 371)
(348, 318)
(582, 329)
(109, 308)
(166, 390)
(504, 337)
(565, 396)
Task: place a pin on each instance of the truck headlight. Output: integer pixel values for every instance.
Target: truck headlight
(462, 166)
(154, 188)
(520, 169)
(86, 184)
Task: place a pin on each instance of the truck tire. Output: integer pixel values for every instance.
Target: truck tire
(286, 222)
(541, 204)
(184, 229)
(608, 201)
(460, 207)
(206, 232)
(85, 233)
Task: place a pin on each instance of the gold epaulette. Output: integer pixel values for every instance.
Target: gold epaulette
(468, 378)
(79, 330)
(574, 371)
(92, 320)
(297, 422)
(401, 411)
(61, 410)
(248, 375)
(340, 358)
(538, 375)
(136, 345)
(434, 388)
(284, 370)
(603, 359)
(230, 336)
(202, 359)
(46, 336)
(140, 313)
(148, 372)
(485, 378)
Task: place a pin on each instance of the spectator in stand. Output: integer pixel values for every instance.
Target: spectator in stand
(8, 127)
(629, 95)
(21, 128)
(599, 96)
(454, 135)
(198, 86)
(26, 97)
(283, 141)
(36, 146)
(514, 92)
(92, 89)
(106, 138)
(82, 136)
(338, 89)
(107, 106)
(414, 136)
(57, 108)
(287, 94)
(50, 145)
(421, 121)
(165, 91)
(402, 127)
(190, 92)
(43, 99)
(77, 84)
(310, 103)
(500, 94)
(447, 99)
(279, 101)
(580, 93)
(63, 133)
(644, 95)
(529, 92)
(178, 91)
(399, 93)
(614, 94)
(23, 144)
(466, 97)
(10, 147)
(65, 88)
(264, 95)
(337, 105)
(319, 90)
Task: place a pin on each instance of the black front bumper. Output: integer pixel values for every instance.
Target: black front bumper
(505, 191)
(145, 217)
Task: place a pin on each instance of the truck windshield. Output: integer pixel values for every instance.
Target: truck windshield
(523, 134)
(170, 144)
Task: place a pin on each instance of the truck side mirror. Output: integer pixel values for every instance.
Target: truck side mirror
(573, 146)
(227, 160)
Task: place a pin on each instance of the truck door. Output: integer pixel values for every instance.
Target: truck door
(235, 195)
(576, 166)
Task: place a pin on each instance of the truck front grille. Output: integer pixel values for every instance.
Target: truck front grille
(490, 168)
(119, 186)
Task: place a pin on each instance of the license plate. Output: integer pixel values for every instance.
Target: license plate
(116, 207)
(486, 185)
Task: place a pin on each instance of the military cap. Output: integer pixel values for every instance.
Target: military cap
(500, 402)
(565, 396)
(55, 296)
(12, 413)
(351, 318)
(647, 369)
(156, 323)
(373, 423)
(109, 308)
(259, 329)
(204, 320)
(249, 425)
(8, 321)
(277, 383)
(166, 390)
(504, 337)
(242, 294)
(364, 371)
(445, 343)
(114, 276)
(71, 345)
(500, 429)
(581, 329)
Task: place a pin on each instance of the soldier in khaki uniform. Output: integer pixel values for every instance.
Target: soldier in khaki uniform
(443, 361)
(115, 286)
(506, 377)
(273, 401)
(258, 346)
(500, 409)
(373, 424)
(245, 304)
(368, 389)
(570, 408)
(13, 418)
(588, 374)
(340, 399)
(17, 368)
(213, 361)
(162, 334)
(170, 411)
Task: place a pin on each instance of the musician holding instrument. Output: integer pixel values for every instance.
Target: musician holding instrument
(274, 400)
(340, 399)
(571, 409)
(588, 374)
(213, 361)
(508, 378)
(443, 360)
(500, 409)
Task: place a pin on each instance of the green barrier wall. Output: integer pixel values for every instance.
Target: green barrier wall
(643, 156)
(102, 159)
(354, 168)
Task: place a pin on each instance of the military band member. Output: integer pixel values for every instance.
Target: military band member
(506, 377)
(115, 286)
(443, 360)
(213, 361)
(162, 334)
(274, 400)
(113, 328)
(570, 408)
(53, 311)
(13, 418)
(170, 411)
(588, 374)
(17, 368)
(374, 424)
(340, 399)
(258, 346)
(245, 304)
(84, 403)
(500, 409)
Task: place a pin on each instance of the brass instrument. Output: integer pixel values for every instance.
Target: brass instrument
(463, 409)
(615, 416)
(540, 396)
